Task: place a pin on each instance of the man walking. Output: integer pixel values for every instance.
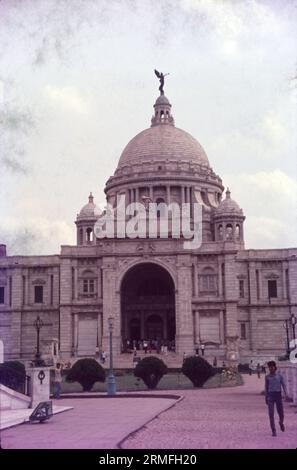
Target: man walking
(274, 383)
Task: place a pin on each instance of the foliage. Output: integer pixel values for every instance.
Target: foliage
(150, 370)
(18, 367)
(197, 369)
(244, 367)
(86, 372)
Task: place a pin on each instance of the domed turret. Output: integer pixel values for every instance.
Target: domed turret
(85, 222)
(228, 220)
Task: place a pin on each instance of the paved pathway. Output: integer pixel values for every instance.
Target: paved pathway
(94, 423)
(217, 418)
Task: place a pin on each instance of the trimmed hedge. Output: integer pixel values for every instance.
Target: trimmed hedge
(197, 369)
(150, 370)
(18, 367)
(86, 372)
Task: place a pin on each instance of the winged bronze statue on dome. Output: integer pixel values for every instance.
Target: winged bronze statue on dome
(161, 76)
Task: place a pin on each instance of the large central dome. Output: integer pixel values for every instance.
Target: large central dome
(162, 142)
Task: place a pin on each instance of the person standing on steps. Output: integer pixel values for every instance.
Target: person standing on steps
(274, 383)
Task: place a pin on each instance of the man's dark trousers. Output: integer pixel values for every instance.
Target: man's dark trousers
(275, 397)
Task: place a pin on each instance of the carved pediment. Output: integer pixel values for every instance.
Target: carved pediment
(271, 276)
(38, 282)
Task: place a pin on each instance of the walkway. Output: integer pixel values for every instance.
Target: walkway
(205, 419)
(227, 418)
(94, 423)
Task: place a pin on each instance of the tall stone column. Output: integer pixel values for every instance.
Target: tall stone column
(16, 313)
(75, 336)
(184, 321)
(99, 330)
(197, 327)
(168, 193)
(252, 300)
(232, 294)
(284, 279)
(222, 327)
(111, 305)
(65, 308)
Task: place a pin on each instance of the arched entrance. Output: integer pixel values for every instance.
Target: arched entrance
(148, 306)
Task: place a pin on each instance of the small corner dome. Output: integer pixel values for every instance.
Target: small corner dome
(89, 210)
(228, 206)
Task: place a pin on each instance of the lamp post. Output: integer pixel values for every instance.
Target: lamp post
(38, 324)
(111, 385)
(286, 326)
(293, 323)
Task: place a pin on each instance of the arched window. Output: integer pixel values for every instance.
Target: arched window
(220, 232)
(229, 232)
(237, 232)
(208, 280)
(89, 235)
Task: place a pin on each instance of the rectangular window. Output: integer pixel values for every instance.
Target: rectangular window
(86, 286)
(272, 288)
(242, 331)
(38, 294)
(2, 295)
(241, 288)
(91, 286)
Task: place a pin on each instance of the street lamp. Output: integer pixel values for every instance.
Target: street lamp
(293, 323)
(286, 326)
(111, 385)
(38, 324)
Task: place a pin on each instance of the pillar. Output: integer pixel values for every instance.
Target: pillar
(99, 326)
(222, 327)
(197, 327)
(184, 320)
(111, 305)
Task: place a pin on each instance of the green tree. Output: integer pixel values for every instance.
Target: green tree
(197, 369)
(86, 372)
(150, 370)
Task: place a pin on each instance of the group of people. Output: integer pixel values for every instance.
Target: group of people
(257, 368)
(148, 346)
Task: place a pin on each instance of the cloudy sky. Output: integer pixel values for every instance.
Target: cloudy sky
(77, 83)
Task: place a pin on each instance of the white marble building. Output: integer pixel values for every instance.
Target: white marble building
(231, 299)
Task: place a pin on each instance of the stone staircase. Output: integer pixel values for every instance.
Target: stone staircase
(125, 360)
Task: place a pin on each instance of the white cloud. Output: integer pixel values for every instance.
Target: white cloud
(269, 201)
(67, 98)
(38, 236)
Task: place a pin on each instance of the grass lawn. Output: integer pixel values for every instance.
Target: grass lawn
(125, 381)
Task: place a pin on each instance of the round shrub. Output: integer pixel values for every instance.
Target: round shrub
(197, 369)
(150, 370)
(86, 372)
